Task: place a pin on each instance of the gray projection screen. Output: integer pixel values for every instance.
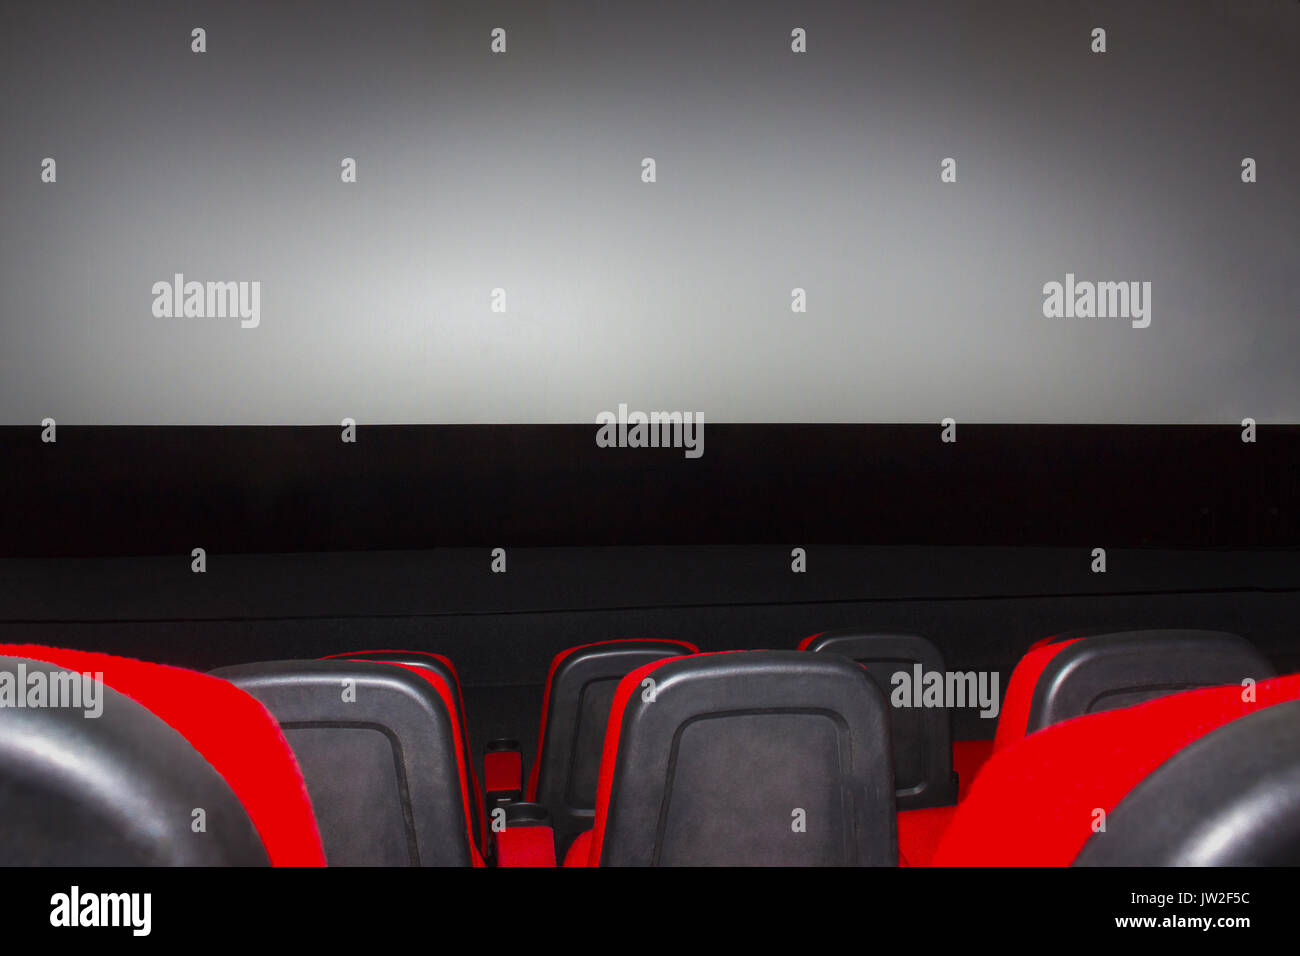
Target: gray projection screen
(517, 179)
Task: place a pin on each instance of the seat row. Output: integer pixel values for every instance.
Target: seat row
(652, 753)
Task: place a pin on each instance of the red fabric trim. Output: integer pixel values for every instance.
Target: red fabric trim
(579, 850)
(1020, 692)
(526, 846)
(803, 645)
(233, 732)
(503, 770)
(921, 831)
(556, 661)
(1034, 802)
(444, 692)
(464, 724)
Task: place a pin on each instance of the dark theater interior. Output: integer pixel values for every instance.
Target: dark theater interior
(561, 434)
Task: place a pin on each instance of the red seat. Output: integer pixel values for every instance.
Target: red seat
(1014, 715)
(229, 728)
(1080, 672)
(1062, 678)
(1037, 800)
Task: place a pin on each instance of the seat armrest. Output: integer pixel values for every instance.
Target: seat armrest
(503, 772)
(523, 835)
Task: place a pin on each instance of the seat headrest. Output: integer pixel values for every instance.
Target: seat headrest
(381, 752)
(232, 731)
(580, 685)
(107, 785)
(1107, 671)
(437, 663)
(446, 670)
(746, 758)
(922, 736)
(1039, 800)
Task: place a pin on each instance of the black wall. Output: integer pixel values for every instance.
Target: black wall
(983, 606)
(139, 490)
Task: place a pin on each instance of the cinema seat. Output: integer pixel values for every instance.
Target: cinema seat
(1058, 680)
(746, 758)
(381, 752)
(121, 789)
(922, 736)
(1040, 800)
(446, 670)
(580, 685)
(1231, 798)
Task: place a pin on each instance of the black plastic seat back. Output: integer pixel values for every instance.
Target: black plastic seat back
(578, 696)
(1108, 671)
(922, 736)
(119, 789)
(1075, 633)
(757, 758)
(377, 747)
(435, 664)
(431, 662)
(1231, 798)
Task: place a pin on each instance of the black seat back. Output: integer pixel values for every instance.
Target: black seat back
(579, 689)
(379, 750)
(1106, 671)
(119, 789)
(752, 758)
(922, 736)
(440, 665)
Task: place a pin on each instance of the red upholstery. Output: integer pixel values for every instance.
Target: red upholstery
(546, 701)
(579, 850)
(445, 693)
(1035, 801)
(459, 715)
(233, 732)
(920, 831)
(803, 645)
(526, 846)
(1020, 691)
